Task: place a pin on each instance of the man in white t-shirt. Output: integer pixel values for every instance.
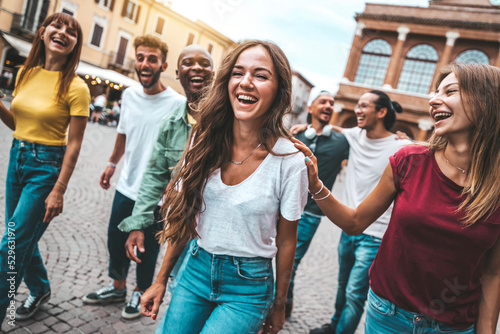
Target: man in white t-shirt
(370, 146)
(143, 108)
(99, 106)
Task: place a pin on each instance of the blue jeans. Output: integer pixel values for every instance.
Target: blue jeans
(118, 260)
(31, 175)
(176, 272)
(220, 294)
(383, 317)
(356, 254)
(308, 225)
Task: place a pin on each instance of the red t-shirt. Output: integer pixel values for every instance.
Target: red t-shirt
(428, 262)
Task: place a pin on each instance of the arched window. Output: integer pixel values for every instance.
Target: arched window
(418, 69)
(473, 57)
(373, 63)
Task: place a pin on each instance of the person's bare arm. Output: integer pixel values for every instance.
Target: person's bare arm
(153, 297)
(115, 157)
(351, 221)
(286, 243)
(489, 306)
(55, 200)
(7, 117)
(337, 128)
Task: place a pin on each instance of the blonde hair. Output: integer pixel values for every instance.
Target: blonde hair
(479, 87)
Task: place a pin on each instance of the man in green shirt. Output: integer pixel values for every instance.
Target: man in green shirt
(194, 71)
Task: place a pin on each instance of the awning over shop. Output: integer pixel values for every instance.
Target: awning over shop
(103, 73)
(22, 47)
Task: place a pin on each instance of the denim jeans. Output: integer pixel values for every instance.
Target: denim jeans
(176, 272)
(383, 317)
(118, 260)
(308, 225)
(220, 294)
(175, 276)
(356, 254)
(31, 175)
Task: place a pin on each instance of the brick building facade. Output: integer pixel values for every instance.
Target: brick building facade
(400, 49)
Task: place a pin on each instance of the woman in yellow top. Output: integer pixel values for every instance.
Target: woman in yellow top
(48, 98)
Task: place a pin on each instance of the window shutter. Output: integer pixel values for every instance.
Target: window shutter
(96, 37)
(138, 13)
(159, 26)
(124, 9)
(112, 5)
(96, 1)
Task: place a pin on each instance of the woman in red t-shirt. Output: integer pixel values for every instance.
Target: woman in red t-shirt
(438, 267)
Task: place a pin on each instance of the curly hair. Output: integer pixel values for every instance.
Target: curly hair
(152, 42)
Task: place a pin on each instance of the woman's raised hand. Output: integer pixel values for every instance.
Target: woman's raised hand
(298, 128)
(315, 184)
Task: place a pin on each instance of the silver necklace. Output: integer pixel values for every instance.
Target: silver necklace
(460, 169)
(248, 156)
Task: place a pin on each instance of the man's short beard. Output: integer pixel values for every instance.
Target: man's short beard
(323, 122)
(154, 79)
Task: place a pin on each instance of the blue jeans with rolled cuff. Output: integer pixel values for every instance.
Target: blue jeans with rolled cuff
(119, 263)
(220, 294)
(31, 175)
(356, 255)
(383, 317)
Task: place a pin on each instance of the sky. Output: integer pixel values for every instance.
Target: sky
(316, 35)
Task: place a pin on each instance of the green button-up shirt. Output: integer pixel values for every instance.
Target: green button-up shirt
(167, 151)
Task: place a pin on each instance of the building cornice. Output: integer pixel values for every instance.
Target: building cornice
(472, 25)
(444, 3)
(301, 77)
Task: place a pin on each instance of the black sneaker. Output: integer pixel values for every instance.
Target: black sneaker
(133, 308)
(325, 329)
(31, 305)
(106, 295)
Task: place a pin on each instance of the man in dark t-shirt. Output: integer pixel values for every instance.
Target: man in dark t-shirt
(330, 148)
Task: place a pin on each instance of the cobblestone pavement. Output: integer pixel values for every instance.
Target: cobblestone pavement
(75, 253)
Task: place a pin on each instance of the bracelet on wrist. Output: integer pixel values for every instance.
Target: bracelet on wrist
(63, 184)
(112, 165)
(320, 189)
(322, 198)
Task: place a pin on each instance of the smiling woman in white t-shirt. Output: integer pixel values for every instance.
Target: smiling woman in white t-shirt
(240, 191)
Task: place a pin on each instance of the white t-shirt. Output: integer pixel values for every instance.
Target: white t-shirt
(368, 159)
(240, 220)
(140, 120)
(100, 101)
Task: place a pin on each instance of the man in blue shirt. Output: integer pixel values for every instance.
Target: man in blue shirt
(330, 148)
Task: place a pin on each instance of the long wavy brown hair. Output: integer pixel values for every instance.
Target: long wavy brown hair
(36, 56)
(479, 87)
(212, 139)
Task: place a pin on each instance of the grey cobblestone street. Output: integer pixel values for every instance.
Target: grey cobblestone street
(76, 256)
